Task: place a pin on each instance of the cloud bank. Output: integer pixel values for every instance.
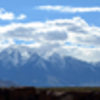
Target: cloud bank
(68, 9)
(68, 37)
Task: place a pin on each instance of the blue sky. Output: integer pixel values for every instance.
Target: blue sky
(27, 7)
(68, 27)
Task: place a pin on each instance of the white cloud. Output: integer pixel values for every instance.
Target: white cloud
(21, 17)
(68, 9)
(72, 37)
(5, 15)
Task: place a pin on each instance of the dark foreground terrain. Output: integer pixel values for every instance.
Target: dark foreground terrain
(31, 93)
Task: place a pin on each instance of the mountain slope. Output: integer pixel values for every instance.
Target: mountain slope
(7, 83)
(34, 70)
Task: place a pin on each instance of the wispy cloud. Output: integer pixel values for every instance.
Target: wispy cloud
(21, 17)
(5, 15)
(68, 9)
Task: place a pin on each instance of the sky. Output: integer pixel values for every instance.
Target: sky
(68, 27)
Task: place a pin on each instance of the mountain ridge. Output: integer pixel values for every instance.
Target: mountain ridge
(54, 71)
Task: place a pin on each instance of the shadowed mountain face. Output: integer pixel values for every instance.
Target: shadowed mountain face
(7, 83)
(34, 70)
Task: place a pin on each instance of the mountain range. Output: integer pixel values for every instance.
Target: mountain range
(25, 67)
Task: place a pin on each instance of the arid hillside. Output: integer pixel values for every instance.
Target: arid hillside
(31, 93)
